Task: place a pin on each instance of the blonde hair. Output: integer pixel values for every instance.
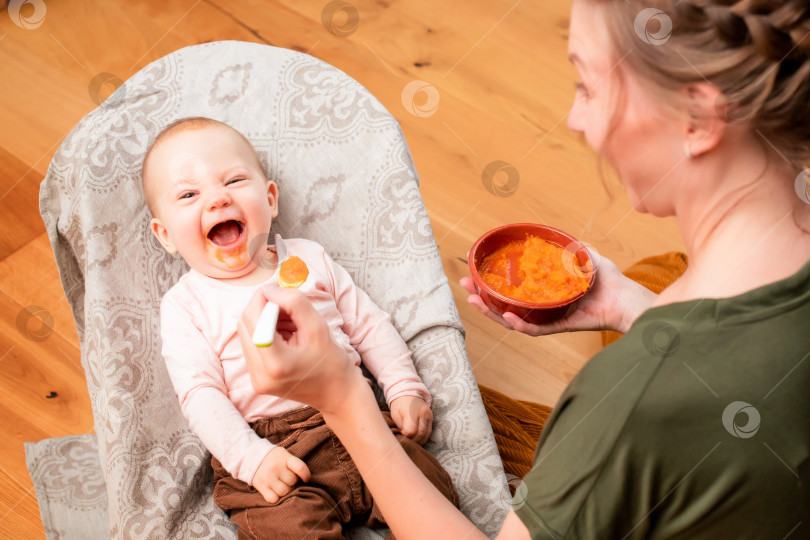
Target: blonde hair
(756, 52)
(184, 124)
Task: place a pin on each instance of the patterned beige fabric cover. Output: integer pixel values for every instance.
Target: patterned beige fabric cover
(346, 180)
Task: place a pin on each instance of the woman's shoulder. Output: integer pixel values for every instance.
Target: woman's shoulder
(668, 411)
(740, 284)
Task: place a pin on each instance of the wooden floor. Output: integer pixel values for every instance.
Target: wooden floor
(504, 87)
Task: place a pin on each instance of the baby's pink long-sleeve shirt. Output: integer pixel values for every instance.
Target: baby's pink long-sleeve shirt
(204, 357)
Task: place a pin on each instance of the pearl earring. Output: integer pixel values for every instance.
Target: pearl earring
(687, 150)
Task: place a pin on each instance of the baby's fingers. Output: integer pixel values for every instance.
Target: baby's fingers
(281, 488)
(286, 479)
(268, 493)
(425, 426)
(299, 468)
(409, 426)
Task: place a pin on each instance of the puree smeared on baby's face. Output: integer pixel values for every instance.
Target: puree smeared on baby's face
(232, 258)
(226, 244)
(534, 271)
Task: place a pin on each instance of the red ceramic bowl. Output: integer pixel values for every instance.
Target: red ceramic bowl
(537, 313)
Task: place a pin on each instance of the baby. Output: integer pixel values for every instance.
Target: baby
(211, 202)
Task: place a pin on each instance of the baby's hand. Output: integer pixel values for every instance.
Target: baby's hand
(278, 472)
(413, 417)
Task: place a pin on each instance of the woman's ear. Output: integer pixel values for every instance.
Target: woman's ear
(162, 235)
(272, 197)
(706, 127)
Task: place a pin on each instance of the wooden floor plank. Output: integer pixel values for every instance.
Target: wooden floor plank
(19, 511)
(19, 203)
(43, 388)
(30, 278)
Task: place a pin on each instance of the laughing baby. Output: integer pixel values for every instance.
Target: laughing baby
(278, 469)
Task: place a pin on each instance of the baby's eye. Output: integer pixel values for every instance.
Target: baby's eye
(235, 180)
(183, 195)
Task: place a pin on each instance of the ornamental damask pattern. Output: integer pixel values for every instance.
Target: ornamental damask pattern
(346, 180)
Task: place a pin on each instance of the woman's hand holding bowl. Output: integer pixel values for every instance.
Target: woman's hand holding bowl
(613, 303)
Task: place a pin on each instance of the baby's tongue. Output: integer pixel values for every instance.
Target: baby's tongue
(225, 233)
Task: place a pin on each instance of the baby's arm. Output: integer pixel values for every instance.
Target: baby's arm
(222, 430)
(226, 434)
(385, 354)
(198, 380)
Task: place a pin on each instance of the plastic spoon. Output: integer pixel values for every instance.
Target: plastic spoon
(281, 249)
(266, 326)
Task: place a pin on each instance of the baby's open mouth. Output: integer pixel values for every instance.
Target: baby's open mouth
(226, 233)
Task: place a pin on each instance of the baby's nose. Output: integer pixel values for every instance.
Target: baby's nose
(220, 198)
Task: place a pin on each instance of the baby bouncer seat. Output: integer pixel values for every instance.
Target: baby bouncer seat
(346, 180)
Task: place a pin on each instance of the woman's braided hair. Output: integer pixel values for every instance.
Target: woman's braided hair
(757, 52)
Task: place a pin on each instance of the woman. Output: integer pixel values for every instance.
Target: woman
(696, 424)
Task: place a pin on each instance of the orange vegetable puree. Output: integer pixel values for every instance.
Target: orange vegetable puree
(534, 270)
(293, 272)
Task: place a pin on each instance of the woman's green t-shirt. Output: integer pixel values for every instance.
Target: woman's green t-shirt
(696, 424)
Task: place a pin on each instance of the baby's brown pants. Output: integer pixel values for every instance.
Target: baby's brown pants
(335, 495)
